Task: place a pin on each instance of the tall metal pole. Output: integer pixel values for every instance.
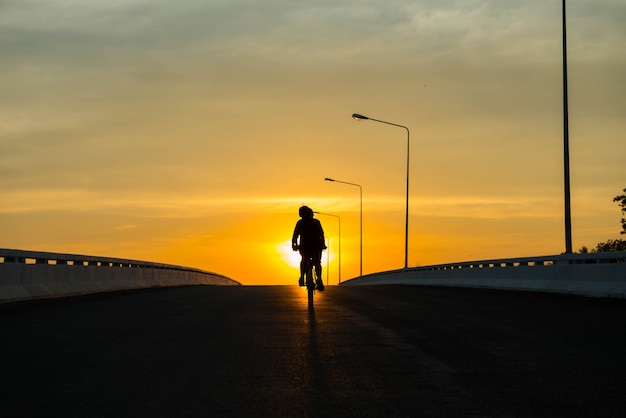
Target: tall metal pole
(568, 208)
(406, 223)
(328, 264)
(361, 215)
(339, 244)
(356, 116)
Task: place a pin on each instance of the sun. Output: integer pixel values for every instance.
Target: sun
(292, 258)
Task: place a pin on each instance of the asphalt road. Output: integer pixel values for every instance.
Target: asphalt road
(363, 351)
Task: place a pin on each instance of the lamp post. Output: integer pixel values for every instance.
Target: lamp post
(361, 221)
(338, 241)
(356, 116)
(568, 208)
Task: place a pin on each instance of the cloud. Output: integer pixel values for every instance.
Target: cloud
(125, 227)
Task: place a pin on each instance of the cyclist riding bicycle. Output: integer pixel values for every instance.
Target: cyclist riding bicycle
(311, 244)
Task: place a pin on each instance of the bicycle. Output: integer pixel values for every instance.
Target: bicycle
(311, 281)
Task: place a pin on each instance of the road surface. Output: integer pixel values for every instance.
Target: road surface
(365, 351)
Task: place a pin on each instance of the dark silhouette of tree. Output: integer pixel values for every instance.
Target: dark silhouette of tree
(610, 245)
(622, 204)
(613, 244)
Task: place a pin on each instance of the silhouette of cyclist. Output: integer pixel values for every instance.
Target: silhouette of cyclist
(311, 244)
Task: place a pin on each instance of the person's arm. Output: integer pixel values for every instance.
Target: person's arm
(294, 238)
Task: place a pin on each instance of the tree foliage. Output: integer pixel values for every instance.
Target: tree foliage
(610, 245)
(621, 199)
(613, 244)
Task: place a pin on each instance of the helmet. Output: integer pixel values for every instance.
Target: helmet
(305, 212)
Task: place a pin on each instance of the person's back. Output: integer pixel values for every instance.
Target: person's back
(311, 234)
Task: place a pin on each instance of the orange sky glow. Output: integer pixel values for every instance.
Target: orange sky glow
(190, 132)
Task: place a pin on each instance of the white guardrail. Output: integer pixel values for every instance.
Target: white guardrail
(26, 275)
(592, 274)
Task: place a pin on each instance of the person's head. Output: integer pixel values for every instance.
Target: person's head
(305, 212)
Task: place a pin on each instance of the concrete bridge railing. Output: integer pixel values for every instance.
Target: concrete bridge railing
(593, 274)
(26, 275)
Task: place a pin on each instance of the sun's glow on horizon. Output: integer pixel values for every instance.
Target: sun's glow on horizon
(288, 256)
(292, 258)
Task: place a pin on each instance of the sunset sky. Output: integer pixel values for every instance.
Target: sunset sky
(190, 132)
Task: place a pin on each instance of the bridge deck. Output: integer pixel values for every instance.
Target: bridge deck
(363, 351)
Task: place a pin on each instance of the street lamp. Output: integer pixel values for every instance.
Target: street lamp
(339, 241)
(361, 197)
(357, 117)
(568, 207)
